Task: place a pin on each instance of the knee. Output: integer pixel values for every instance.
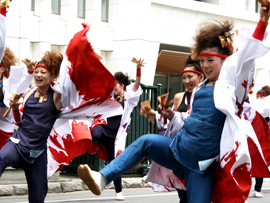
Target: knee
(96, 132)
(145, 139)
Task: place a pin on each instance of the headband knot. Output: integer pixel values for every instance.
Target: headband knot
(225, 40)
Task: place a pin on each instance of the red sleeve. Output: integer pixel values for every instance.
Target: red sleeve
(259, 31)
(3, 11)
(17, 115)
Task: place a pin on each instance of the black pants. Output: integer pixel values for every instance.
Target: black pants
(182, 194)
(258, 184)
(108, 142)
(36, 174)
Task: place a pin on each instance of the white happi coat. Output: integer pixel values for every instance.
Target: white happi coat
(233, 177)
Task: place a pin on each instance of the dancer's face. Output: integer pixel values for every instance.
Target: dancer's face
(43, 77)
(260, 96)
(191, 79)
(211, 65)
(119, 89)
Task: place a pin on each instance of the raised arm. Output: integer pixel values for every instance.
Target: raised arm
(138, 76)
(261, 26)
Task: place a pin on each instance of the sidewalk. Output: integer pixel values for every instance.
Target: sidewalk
(64, 183)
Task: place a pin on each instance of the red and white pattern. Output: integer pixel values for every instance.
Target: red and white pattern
(244, 147)
(86, 88)
(132, 99)
(239, 146)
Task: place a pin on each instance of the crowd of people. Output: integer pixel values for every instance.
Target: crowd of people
(198, 148)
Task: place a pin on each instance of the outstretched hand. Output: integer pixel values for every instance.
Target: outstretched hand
(140, 63)
(29, 64)
(264, 10)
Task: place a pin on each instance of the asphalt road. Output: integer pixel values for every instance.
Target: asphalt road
(140, 195)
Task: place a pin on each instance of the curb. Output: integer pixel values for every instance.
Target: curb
(68, 186)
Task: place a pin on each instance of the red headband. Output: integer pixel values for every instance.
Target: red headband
(194, 71)
(210, 54)
(43, 66)
(262, 94)
(120, 83)
(1, 65)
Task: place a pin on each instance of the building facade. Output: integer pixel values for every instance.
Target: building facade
(159, 31)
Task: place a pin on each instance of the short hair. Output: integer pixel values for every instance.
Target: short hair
(123, 78)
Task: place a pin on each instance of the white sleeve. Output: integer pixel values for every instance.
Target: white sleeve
(160, 121)
(131, 96)
(177, 123)
(3, 32)
(262, 106)
(18, 82)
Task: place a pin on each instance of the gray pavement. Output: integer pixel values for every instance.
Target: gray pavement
(64, 183)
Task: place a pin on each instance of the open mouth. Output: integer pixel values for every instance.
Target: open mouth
(208, 72)
(38, 81)
(190, 87)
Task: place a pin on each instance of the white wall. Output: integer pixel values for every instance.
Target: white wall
(136, 28)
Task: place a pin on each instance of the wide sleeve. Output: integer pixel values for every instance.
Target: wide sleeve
(18, 82)
(86, 85)
(131, 96)
(262, 106)
(3, 27)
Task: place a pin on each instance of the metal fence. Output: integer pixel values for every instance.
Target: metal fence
(139, 126)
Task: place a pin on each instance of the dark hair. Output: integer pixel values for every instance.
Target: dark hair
(52, 60)
(265, 90)
(8, 60)
(252, 83)
(207, 36)
(195, 65)
(123, 78)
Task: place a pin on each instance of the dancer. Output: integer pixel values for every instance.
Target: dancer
(192, 76)
(41, 108)
(7, 124)
(200, 137)
(27, 147)
(261, 94)
(170, 155)
(105, 133)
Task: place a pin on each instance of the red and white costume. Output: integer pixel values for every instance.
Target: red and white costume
(86, 88)
(241, 155)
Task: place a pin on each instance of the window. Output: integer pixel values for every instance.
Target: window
(81, 9)
(56, 6)
(258, 7)
(32, 5)
(104, 10)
